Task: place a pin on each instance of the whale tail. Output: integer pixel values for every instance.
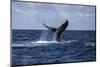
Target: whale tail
(57, 31)
(50, 28)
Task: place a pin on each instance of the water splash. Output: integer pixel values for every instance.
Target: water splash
(44, 35)
(45, 41)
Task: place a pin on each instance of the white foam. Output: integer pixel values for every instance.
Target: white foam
(69, 41)
(90, 44)
(45, 42)
(40, 43)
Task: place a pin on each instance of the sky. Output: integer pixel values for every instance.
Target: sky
(29, 15)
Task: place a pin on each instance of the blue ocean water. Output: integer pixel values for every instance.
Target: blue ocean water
(33, 47)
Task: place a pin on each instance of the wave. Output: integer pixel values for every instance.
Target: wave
(69, 41)
(41, 43)
(45, 42)
(90, 44)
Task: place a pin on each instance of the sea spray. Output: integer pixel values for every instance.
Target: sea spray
(44, 35)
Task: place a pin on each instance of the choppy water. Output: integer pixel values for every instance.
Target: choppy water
(32, 47)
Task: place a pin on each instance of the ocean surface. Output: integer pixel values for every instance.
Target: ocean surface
(33, 47)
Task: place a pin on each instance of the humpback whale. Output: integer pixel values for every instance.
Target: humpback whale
(57, 31)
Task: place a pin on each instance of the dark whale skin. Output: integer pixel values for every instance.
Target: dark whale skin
(58, 31)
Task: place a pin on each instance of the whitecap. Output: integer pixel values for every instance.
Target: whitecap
(45, 42)
(41, 43)
(90, 44)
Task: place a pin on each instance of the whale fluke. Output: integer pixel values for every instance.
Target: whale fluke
(50, 28)
(57, 31)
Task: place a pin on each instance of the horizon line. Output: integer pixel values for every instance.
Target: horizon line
(46, 29)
